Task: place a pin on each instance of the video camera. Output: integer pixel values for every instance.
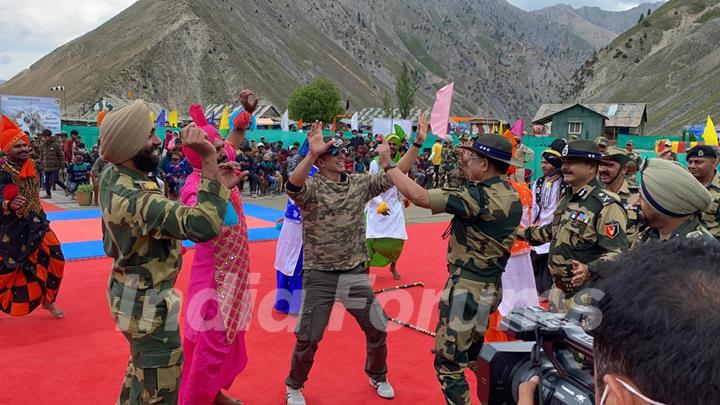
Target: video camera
(554, 347)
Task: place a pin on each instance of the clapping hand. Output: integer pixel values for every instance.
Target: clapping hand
(317, 145)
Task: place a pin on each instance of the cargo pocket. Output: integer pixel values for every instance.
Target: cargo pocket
(303, 329)
(445, 343)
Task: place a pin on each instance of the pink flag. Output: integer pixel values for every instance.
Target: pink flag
(440, 114)
(517, 128)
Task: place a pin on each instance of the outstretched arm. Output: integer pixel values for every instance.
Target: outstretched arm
(406, 163)
(407, 186)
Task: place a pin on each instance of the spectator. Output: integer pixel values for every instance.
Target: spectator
(87, 157)
(177, 172)
(267, 170)
(70, 146)
(254, 173)
(53, 158)
(244, 160)
(78, 172)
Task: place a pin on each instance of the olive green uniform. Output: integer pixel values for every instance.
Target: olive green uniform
(710, 219)
(589, 226)
(142, 232)
(486, 216)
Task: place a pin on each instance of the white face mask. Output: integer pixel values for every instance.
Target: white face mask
(632, 391)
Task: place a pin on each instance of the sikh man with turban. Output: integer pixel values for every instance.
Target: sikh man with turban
(31, 262)
(671, 200)
(385, 231)
(143, 232)
(702, 164)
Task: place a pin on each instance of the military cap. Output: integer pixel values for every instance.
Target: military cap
(573, 138)
(602, 141)
(553, 154)
(616, 154)
(493, 147)
(582, 149)
(702, 151)
(671, 190)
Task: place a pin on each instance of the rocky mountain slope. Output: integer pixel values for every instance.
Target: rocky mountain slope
(670, 61)
(504, 61)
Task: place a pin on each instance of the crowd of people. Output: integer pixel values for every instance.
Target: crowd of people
(510, 244)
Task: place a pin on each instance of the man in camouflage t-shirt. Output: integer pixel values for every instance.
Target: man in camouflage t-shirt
(334, 255)
(486, 213)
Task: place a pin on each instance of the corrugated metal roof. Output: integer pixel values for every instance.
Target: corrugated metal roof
(366, 115)
(630, 115)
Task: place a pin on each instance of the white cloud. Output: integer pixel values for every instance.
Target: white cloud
(30, 29)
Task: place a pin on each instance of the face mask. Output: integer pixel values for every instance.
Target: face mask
(632, 391)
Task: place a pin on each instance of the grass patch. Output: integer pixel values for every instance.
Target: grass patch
(710, 15)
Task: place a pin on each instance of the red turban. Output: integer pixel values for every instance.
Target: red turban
(10, 134)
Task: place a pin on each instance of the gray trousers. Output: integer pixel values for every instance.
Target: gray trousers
(353, 290)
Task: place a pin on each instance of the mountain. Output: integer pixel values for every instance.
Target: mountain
(504, 61)
(670, 61)
(2, 81)
(595, 25)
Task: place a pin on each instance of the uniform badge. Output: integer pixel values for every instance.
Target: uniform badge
(148, 185)
(566, 150)
(701, 153)
(612, 229)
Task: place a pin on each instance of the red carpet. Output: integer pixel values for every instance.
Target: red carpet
(47, 207)
(81, 359)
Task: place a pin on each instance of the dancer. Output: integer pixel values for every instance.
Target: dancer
(289, 254)
(385, 232)
(487, 212)
(31, 261)
(142, 232)
(332, 203)
(218, 308)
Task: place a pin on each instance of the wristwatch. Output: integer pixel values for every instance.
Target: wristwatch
(389, 166)
(417, 145)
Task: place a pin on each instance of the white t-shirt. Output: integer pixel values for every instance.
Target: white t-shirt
(385, 226)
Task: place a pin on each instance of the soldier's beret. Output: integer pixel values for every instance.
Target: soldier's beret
(671, 190)
(602, 141)
(582, 149)
(702, 151)
(616, 154)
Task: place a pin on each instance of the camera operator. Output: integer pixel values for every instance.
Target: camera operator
(657, 342)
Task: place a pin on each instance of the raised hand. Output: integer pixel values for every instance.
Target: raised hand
(248, 100)
(315, 140)
(383, 150)
(421, 134)
(196, 139)
(230, 174)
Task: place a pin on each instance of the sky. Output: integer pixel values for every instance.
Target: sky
(30, 29)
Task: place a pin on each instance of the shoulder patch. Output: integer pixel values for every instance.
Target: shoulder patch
(147, 185)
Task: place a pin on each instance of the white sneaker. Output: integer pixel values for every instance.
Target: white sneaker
(383, 389)
(294, 397)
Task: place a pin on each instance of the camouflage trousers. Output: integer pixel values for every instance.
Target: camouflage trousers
(562, 302)
(465, 307)
(150, 324)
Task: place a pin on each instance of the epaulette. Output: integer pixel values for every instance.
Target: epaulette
(147, 185)
(606, 197)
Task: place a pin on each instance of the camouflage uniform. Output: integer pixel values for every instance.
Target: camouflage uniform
(710, 219)
(589, 226)
(631, 178)
(691, 228)
(449, 171)
(628, 198)
(142, 232)
(486, 216)
(334, 256)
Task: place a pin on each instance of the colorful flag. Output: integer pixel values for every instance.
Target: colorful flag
(300, 124)
(160, 121)
(152, 117)
(225, 118)
(101, 117)
(440, 114)
(710, 136)
(285, 121)
(517, 128)
(211, 121)
(173, 119)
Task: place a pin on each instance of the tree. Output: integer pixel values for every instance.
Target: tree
(387, 104)
(406, 84)
(317, 100)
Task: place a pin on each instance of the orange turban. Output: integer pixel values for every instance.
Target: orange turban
(510, 137)
(10, 134)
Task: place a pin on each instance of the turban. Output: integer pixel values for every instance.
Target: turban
(198, 115)
(124, 132)
(10, 134)
(672, 190)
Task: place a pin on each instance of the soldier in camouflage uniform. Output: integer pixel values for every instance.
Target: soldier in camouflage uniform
(486, 213)
(702, 164)
(142, 232)
(636, 160)
(334, 256)
(671, 201)
(588, 227)
(449, 172)
(612, 173)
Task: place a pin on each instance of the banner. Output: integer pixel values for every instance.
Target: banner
(32, 114)
(285, 121)
(384, 126)
(440, 114)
